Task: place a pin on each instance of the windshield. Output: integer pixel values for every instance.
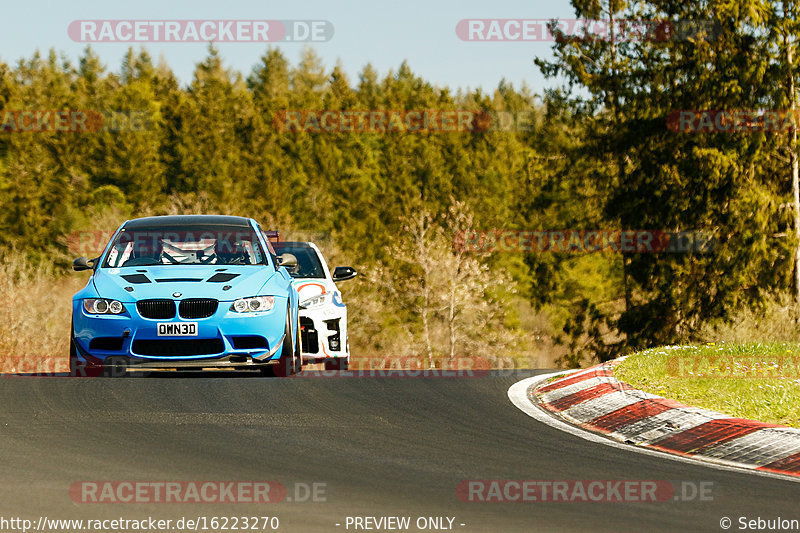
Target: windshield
(186, 245)
(308, 263)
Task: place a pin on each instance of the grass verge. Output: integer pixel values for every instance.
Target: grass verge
(758, 381)
(35, 311)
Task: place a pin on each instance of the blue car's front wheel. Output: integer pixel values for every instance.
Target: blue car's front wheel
(290, 361)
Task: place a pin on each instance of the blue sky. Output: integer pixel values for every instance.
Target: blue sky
(383, 33)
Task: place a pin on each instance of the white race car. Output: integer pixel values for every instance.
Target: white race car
(323, 315)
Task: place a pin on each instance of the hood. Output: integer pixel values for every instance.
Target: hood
(195, 281)
(309, 287)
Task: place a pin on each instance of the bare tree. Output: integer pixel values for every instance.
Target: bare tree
(444, 285)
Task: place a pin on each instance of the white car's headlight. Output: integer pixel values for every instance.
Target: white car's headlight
(253, 305)
(315, 301)
(101, 306)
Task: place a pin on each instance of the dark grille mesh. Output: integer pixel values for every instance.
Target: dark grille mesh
(197, 307)
(309, 339)
(178, 347)
(249, 342)
(111, 344)
(160, 309)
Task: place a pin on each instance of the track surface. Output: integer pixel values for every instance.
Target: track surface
(383, 446)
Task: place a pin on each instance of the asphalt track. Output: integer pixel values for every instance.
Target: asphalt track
(382, 446)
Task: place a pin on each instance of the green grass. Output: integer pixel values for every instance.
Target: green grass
(759, 381)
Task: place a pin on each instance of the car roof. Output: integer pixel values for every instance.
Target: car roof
(188, 220)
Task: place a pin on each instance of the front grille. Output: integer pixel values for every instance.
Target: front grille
(159, 308)
(110, 344)
(308, 336)
(197, 307)
(178, 347)
(249, 342)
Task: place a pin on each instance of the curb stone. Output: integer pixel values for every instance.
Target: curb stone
(595, 400)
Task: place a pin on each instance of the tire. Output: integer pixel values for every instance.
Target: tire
(289, 362)
(337, 363)
(298, 352)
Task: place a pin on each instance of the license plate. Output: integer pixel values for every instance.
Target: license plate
(177, 329)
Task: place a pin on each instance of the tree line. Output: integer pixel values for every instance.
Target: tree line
(599, 153)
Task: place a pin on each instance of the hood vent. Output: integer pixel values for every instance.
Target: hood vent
(221, 277)
(170, 280)
(136, 278)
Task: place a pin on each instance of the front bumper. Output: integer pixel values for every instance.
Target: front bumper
(323, 333)
(224, 339)
(136, 363)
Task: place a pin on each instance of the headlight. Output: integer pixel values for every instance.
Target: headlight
(101, 306)
(315, 301)
(253, 305)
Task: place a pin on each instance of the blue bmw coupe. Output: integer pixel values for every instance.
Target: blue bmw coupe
(196, 291)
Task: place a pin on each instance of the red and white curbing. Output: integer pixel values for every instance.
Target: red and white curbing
(596, 401)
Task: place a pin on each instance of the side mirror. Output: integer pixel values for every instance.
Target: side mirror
(82, 263)
(343, 273)
(287, 260)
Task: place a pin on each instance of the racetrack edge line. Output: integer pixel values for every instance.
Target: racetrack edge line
(518, 395)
